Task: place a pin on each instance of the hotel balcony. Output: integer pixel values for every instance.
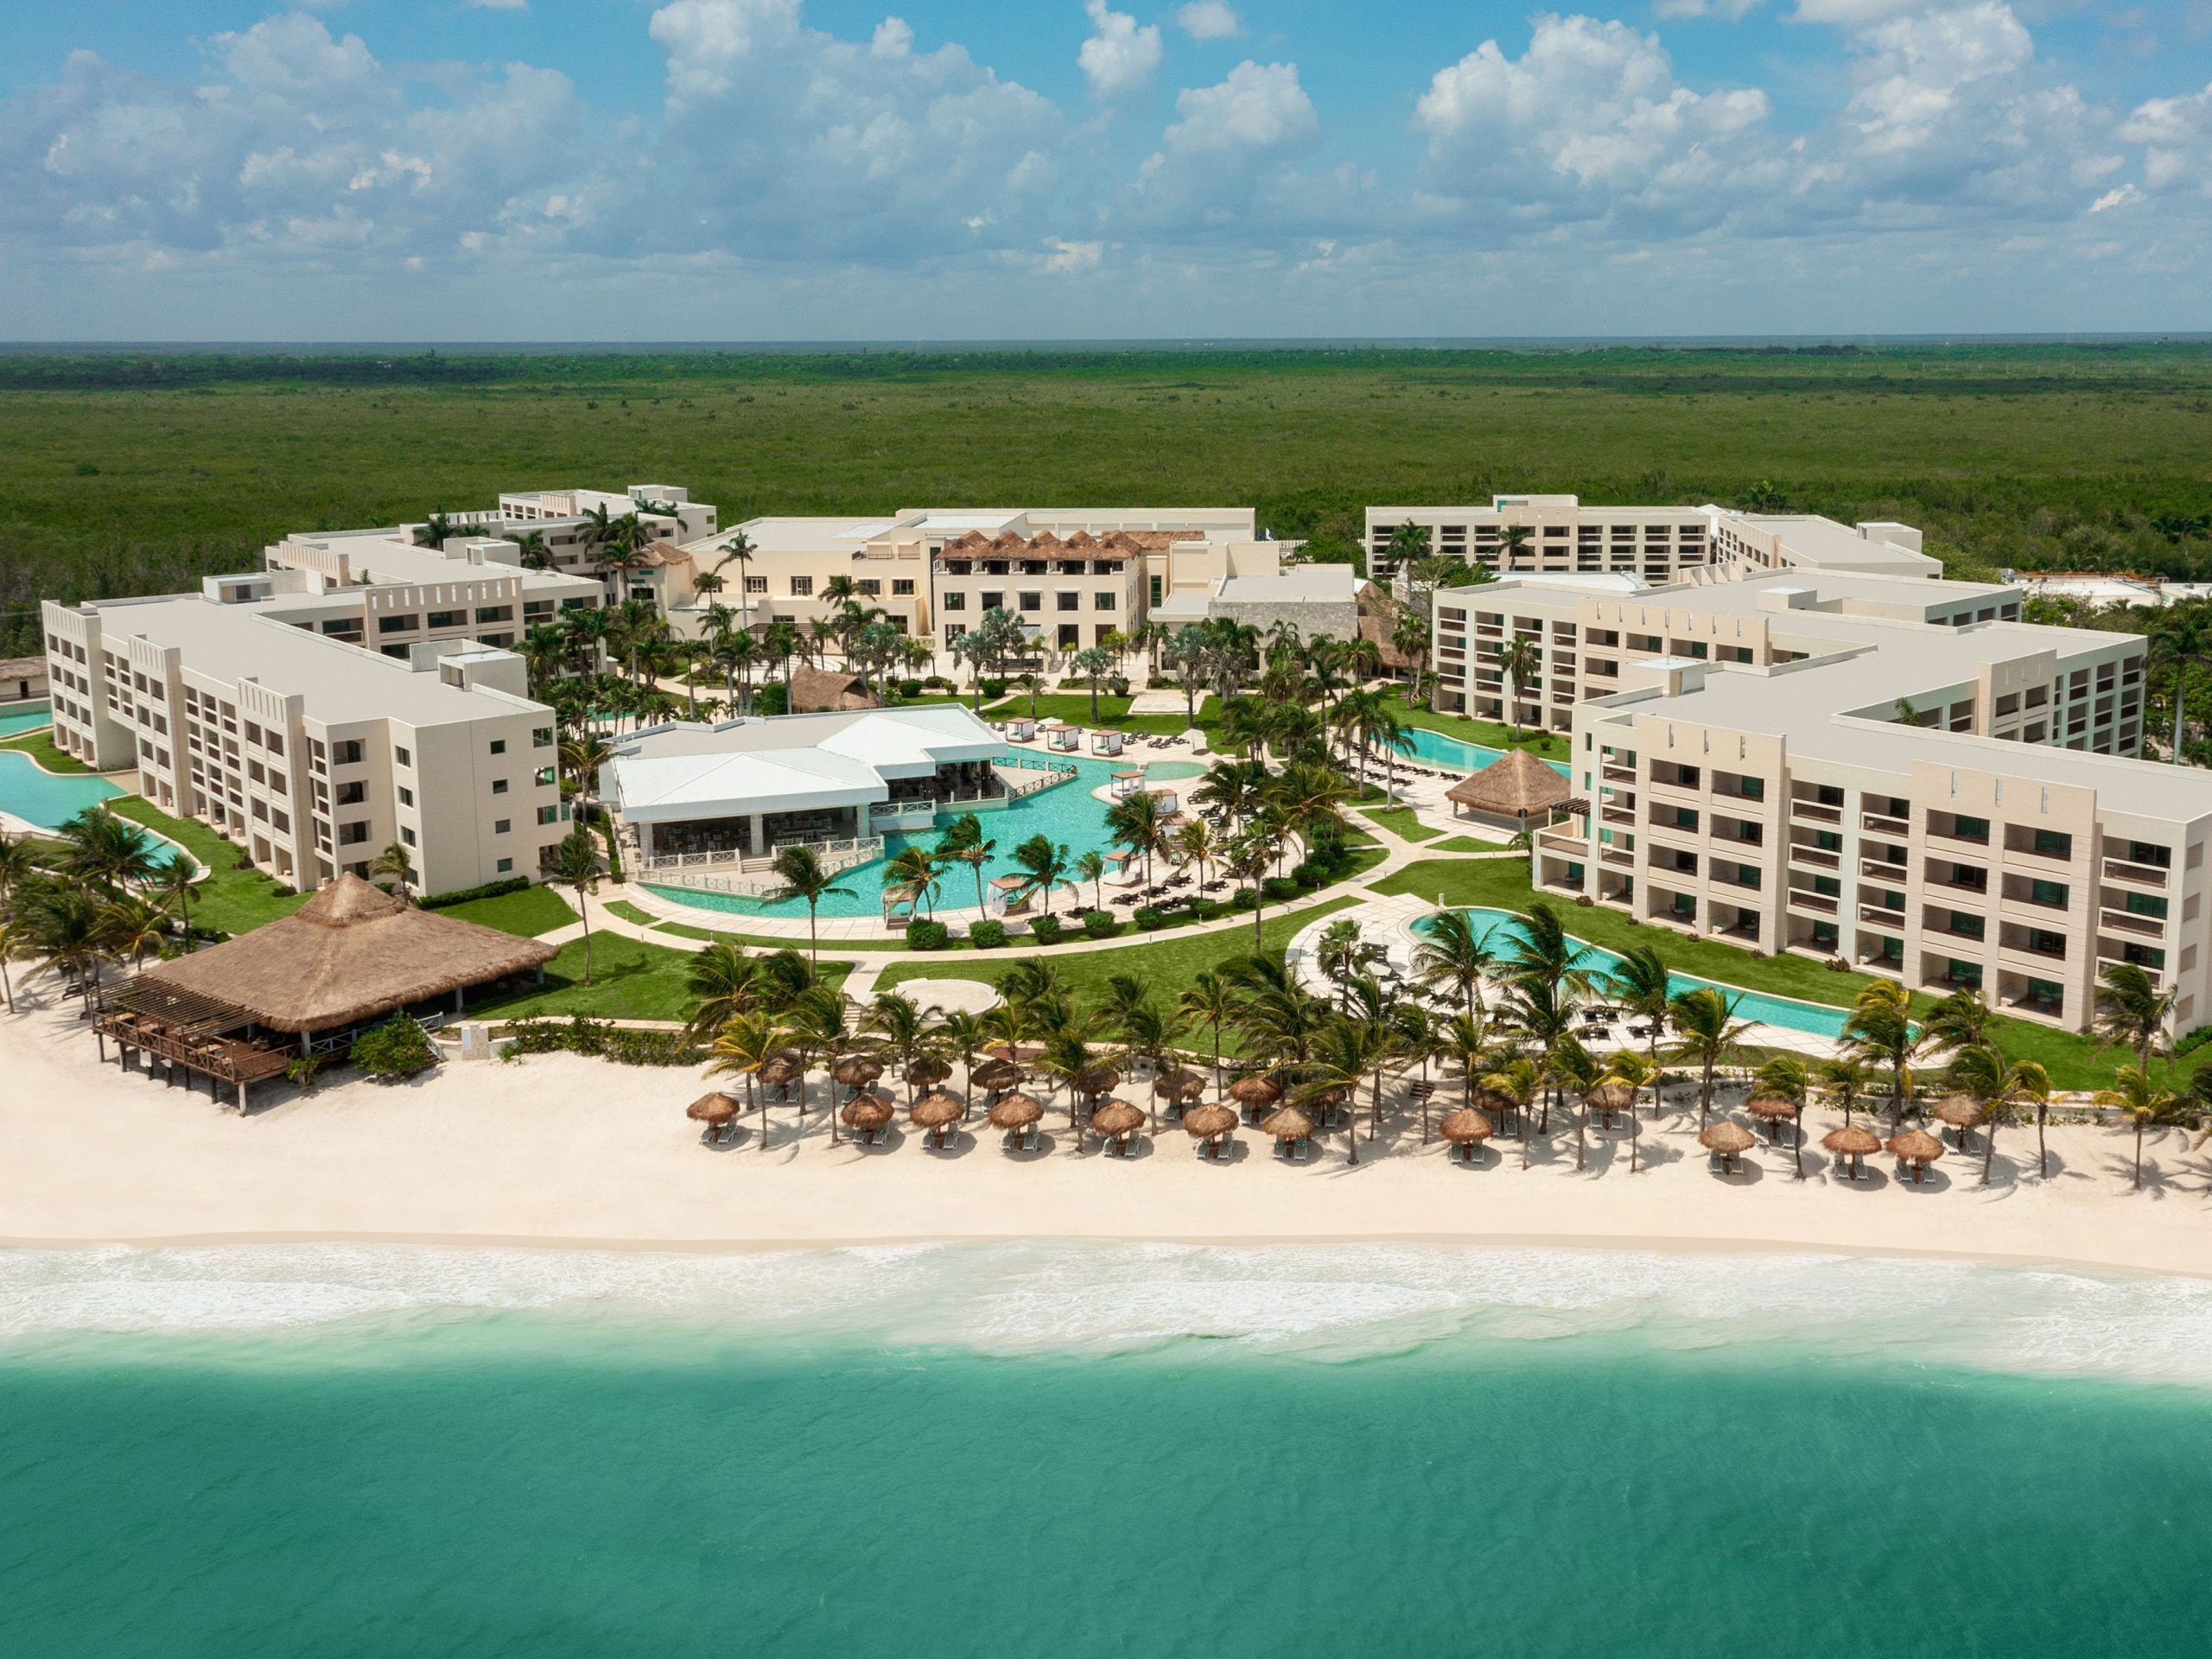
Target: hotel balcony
(1813, 812)
(2136, 875)
(1815, 858)
(1879, 916)
(1560, 841)
(1876, 869)
(2127, 921)
(1806, 901)
(1875, 823)
(2036, 863)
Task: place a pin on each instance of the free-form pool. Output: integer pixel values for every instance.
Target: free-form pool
(1065, 813)
(1439, 750)
(23, 717)
(39, 796)
(1784, 1011)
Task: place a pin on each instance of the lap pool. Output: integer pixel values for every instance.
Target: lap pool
(1813, 1018)
(1065, 813)
(1439, 750)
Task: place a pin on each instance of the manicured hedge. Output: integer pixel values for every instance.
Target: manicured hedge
(987, 935)
(924, 934)
(597, 1038)
(462, 895)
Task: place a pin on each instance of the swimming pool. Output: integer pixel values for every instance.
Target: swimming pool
(1066, 812)
(24, 717)
(1813, 1018)
(43, 798)
(1439, 750)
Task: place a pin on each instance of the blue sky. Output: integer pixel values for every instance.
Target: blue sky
(755, 169)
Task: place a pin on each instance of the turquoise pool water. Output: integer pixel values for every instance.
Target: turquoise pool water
(1093, 1452)
(1066, 812)
(1783, 1011)
(46, 800)
(24, 717)
(1439, 750)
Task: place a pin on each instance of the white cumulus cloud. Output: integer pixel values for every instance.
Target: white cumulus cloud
(1210, 20)
(1258, 107)
(1119, 58)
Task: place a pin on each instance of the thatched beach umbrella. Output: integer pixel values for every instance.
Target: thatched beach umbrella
(1916, 1149)
(781, 1071)
(937, 1113)
(1016, 1111)
(995, 1076)
(1608, 1098)
(868, 1113)
(1730, 1139)
(1256, 1091)
(1117, 1121)
(1098, 1078)
(1855, 1141)
(1498, 1106)
(927, 1071)
(1771, 1110)
(1963, 1113)
(1209, 1125)
(1181, 1086)
(1466, 1127)
(857, 1071)
(1288, 1124)
(716, 1111)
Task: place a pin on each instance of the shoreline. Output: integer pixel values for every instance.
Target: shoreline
(1651, 1244)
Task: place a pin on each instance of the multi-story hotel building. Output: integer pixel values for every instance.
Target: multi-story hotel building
(1893, 771)
(1657, 545)
(355, 692)
(1073, 575)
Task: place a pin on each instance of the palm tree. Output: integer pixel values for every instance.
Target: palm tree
(905, 1030)
(1044, 865)
(1791, 1080)
(1520, 663)
(1879, 1030)
(1983, 1073)
(1094, 664)
(910, 877)
(106, 850)
(2181, 640)
(744, 1046)
(2131, 1011)
(1196, 842)
(1455, 950)
(67, 934)
(1208, 1000)
(172, 884)
(398, 864)
(1706, 1034)
(1632, 1070)
(1250, 856)
(800, 869)
(1959, 1021)
(1516, 1083)
(574, 863)
(720, 982)
(2139, 1101)
(1641, 986)
(1464, 1041)
(1088, 866)
(1136, 822)
(1546, 1013)
(1846, 1077)
(1340, 1061)
(1542, 950)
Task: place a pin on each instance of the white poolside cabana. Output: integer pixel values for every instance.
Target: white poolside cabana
(1067, 738)
(1020, 731)
(1128, 783)
(1106, 742)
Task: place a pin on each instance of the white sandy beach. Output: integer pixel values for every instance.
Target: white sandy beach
(562, 1151)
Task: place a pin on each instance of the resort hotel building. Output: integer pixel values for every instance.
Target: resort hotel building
(1887, 769)
(356, 692)
(1072, 576)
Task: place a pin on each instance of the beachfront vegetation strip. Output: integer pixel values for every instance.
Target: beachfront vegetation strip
(231, 899)
(631, 979)
(138, 474)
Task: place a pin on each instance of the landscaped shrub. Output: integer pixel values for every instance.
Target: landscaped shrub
(1279, 888)
(994, 688)
(1104, 925)
(987, 935)
(1148, 916)
(1245, 899)
(397, 1048)
(1118, 686)
(937, 683)
(924, 934)
(462, 895)
(598, 1038)
(1046, 928)
(768, 700)
(652, 1048)
(1204, 910)
(1309, 874)
(2194, 1041)
(909, 687)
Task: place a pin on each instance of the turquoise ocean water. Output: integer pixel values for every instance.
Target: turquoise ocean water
(1081, 1450)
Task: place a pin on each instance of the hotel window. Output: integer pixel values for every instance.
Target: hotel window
(402, 757)
(499, 785)
(446, 619)
(549, 815)
(1101, 601)
(802, 587)
(352, 835)
(870, 587)
(756, 584)
(347, 753)
(500, 826)
(495, 613)
(394, 624)
(499, 746)
(505, 866)
(954, 602)
(902, 588)
(1033, 600)
(1068, 602)
(406, 796)
(407, 836)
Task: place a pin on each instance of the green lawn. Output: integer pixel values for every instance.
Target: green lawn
(2073, 1062)
(232, 899)
(39, 745)
(1488, 734)
(529, 913)
(1466, 844)
(1401, 822)
(1167, 964)
(631, 980)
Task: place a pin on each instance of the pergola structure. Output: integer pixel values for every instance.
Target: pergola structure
(190, 1033)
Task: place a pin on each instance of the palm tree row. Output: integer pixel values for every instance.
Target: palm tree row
(100, 894)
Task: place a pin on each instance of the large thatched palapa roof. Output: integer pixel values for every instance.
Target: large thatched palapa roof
(1516, 782)
(349, 954)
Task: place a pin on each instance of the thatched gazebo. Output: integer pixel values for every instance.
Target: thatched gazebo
(351, 954)
(1731, 1140)
(1017, 1116)
(1773, 1110)
(1465, 1129)
(1211, 1127)
(1515, 786)
(1915, 1149)
(869, 1117)
(1606, 1099)
(939, 1114)
(1290, 1128)
(716, 1111)
(1115, 1121)
(1964, 1113)
(1855, 1141)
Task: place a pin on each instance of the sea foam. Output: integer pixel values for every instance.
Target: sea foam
(1325, 1302)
